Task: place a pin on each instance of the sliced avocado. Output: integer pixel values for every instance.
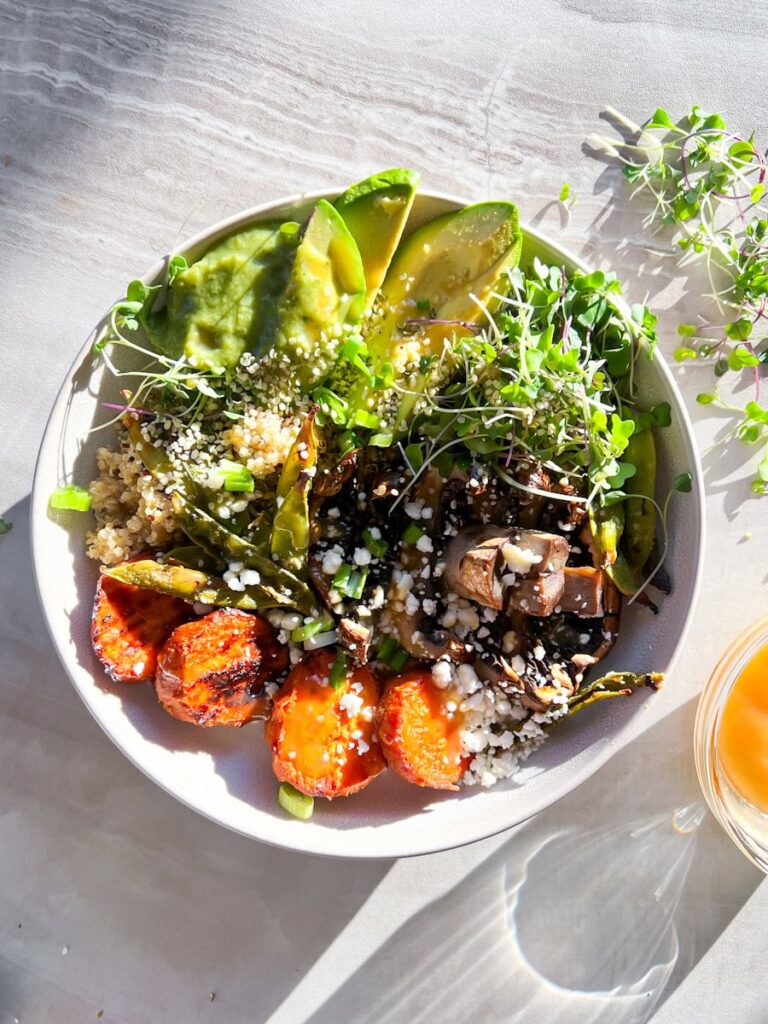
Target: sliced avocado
(375, 211)
(226, 302)
(433, 276)
(325, 295)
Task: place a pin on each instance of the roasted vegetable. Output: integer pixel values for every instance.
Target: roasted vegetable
(195, 585)
(639, 511)
(289, 541)
(583, 591)
(212, 671)
(323, 737)
(279, 585)
(614, 684)
(420, 731)
(130, 625)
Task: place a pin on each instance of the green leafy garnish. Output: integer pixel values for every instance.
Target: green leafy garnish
(5, 526)
(709, 185)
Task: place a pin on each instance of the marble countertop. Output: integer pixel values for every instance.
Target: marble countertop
(124, 127)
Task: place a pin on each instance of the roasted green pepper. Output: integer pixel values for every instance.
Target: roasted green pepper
(289, 541)
(203, 529)
(640, 513)
(194, 585)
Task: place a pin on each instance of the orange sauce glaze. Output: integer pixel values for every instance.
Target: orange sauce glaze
(742, 742)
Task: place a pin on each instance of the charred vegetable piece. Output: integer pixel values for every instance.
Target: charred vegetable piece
(155, 460)
(211, 671)
(195, 585)
(421, 739)
(278, 584)
(536, 595)
(323, 738)
(583, 592)
(289, 541)
(478, 557)
(639, 513)
(130, 625)
(614, 684)
(356, 638)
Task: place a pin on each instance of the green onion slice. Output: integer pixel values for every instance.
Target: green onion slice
(298, 804)
(72, 498)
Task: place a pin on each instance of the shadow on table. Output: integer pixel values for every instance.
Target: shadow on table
(156, 907)
(571, 919)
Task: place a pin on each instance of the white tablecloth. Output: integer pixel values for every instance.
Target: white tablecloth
(123, 127)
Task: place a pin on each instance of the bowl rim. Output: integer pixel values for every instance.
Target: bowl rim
(39, 508)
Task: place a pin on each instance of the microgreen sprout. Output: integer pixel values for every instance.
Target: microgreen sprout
(709, 183)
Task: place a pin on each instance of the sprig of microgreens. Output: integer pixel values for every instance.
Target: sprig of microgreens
(553, 381)
(710, 184)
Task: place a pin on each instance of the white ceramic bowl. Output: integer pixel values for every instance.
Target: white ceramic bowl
(225, 773)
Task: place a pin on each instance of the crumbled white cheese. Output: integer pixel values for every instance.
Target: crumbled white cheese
(519, 560)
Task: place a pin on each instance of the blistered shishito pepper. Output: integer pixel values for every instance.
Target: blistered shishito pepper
(289, 540)
(194, 585)
(614, 684)
(640, 514)
(204, 530)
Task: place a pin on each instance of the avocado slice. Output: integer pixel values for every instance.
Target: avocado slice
(226, 303)
(432, 277)
(324, 297)
(376, 211)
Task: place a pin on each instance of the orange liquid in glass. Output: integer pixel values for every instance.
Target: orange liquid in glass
(742, 741)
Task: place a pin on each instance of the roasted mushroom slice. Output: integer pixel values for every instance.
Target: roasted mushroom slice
(536, 595)
(479, 557)
(583, 592)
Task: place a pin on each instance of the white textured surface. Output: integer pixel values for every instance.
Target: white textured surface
(118, 124)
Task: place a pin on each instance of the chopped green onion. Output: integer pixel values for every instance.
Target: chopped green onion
(72, 498)
(338, 674)
(399, 659)
(298, 804)
(235, 475)
(321, 640)
(362, 418)
(392, 654)
(350, 581)
(382, 440)
(302, 633)
(412, 533)
(376, 545)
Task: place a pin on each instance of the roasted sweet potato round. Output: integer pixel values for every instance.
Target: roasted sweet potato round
(211, 671)
(420, 732)
(129, 626)
(323, 740)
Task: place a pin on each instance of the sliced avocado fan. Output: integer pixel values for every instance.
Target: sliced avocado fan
(376, 211)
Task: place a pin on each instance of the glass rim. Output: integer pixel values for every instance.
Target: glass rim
(705, 731)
